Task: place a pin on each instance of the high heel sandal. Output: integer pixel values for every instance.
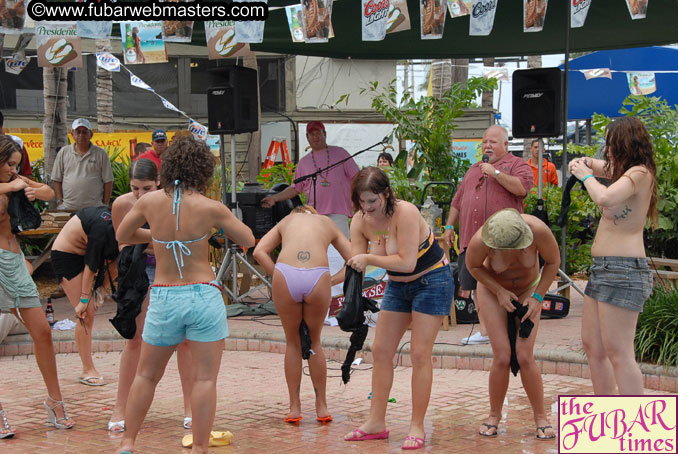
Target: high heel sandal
(5, 426)
(59, 423)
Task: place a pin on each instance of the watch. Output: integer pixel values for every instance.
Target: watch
(496, 172)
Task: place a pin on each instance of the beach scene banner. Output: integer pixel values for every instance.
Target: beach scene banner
(142, 42)
(221, 42)
(641, 83)
(57, 45)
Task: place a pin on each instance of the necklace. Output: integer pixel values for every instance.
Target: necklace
(381, 235)
(324, 183)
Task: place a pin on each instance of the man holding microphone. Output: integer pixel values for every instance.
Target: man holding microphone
(501, 181)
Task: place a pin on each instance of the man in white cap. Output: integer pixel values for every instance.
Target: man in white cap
(82, 174)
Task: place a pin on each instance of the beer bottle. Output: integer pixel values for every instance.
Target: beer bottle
(49, 312)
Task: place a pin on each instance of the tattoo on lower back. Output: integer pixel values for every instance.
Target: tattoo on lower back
(303, 256)
(623, 215)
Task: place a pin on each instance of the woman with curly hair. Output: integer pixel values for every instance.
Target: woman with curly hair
(418, 295)
(18, 292)
(620, 279)
(144, 178)
(185, 299)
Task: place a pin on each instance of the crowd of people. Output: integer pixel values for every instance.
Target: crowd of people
(507, 258)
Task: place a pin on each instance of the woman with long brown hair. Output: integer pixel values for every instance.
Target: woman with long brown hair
(18, 292)
(620, 279)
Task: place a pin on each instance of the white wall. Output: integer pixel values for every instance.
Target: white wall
(321, 81)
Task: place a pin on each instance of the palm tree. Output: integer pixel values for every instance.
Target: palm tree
(104, 87)
(54, 129)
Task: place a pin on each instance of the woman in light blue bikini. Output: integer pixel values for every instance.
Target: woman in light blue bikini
(144, 178)
(185, 301)
(301, 275)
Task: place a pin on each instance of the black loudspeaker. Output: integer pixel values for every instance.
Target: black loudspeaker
(536, 103)
(233, 101)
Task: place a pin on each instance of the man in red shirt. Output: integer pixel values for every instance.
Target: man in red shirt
(487, 187)
(159, 147)
(549, 174)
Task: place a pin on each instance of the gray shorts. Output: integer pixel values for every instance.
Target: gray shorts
(622, 281)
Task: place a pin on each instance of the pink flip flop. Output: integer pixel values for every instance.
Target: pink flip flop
(418, 443)
(359, 435)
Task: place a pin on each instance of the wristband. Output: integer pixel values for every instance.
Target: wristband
(84, 300)
(586, 177)
(538, 297)
(449, 227)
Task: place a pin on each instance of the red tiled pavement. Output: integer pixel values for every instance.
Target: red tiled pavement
(253, 397)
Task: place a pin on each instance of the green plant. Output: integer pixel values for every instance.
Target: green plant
(661, 121)
(404, 183)
(120, 163)
(656, 338)
(279, 173)
(429, 123)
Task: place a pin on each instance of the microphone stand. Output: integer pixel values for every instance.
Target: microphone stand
(314, 176)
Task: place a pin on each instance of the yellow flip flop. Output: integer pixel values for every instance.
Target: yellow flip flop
(216, 439)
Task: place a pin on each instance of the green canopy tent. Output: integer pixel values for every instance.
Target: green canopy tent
(608, 26)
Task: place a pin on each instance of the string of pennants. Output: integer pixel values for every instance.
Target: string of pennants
(58, 44)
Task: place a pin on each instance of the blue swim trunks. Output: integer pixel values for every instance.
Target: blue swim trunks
(192, 311)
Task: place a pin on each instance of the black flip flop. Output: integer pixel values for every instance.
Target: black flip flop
(489, 426)
(543, 430)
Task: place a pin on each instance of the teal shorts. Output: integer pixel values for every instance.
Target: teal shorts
(192, 311)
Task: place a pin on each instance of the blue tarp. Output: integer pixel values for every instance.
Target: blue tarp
(605, 96)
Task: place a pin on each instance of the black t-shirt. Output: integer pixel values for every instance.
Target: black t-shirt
(101, 242)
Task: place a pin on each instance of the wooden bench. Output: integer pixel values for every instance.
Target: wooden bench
(665, 271)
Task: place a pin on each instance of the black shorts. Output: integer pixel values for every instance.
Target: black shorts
(466, 281)
(67, 265)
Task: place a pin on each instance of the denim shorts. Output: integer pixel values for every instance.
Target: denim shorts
(193, 311)
(430, 294)
(625, 282)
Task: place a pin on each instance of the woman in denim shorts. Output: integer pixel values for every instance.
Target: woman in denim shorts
(185, 301)
(620, 279)
(391, 234)
(504, 257)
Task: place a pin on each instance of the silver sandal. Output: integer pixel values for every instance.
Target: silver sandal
(5, 426)
(59, 423)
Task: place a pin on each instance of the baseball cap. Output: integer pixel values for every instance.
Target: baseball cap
(81, 122)
(315, 126)
(159, 134)
(506, 229)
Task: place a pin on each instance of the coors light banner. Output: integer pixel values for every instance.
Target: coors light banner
(375, 19)
(482, 17)
(578, 12)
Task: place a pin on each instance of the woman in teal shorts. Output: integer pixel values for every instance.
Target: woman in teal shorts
(185, 301)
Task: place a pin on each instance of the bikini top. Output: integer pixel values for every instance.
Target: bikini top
(178, 247)
(429, 254)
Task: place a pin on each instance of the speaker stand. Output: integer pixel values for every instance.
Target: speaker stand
(230, 263)
(568, 283)
(233, 255)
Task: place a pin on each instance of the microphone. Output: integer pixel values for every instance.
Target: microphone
(486, 157)
(384, 141)
(483, 177)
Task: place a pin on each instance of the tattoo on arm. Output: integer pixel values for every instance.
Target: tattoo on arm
(623, 215)
(303, 256)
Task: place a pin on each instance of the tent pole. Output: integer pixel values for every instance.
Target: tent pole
(563, 165)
